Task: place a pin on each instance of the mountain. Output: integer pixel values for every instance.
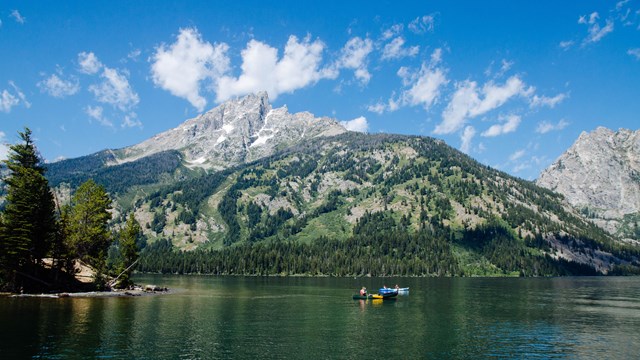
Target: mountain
(247, 189)
(372, 204)
(600, 175)
(235, 132)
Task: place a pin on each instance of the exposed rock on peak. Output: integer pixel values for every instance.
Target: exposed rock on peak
(237, 131)
(601, 173)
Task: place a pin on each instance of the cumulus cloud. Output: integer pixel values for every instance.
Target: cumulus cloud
(97, 113)
(634, 52)
(182, 66)
(545, 126)
(425, 85)
(466, 137)
(58, 87)
(262, 69)
(595, 31)
(396, 50)
(89, 63)
(421, 87)
(354, 56)
(115, 90)
(359, 124)
(509, 125)
(19, 18)
(469, 101)
(422, 24)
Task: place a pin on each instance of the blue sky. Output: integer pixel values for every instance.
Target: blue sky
(512, 84)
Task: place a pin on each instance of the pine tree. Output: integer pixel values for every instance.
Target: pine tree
(29, 223)
(88, 234)
(129, 236)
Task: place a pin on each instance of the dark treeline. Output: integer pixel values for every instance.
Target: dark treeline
(380, 246)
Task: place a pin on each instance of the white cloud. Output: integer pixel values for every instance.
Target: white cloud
(505, 65)
(425, 85)
(7, 101)
(466, 137)
(509, 126)
(392, 31)
(115, 90)
(359, 124)
(97, 113)
(354, 56)
(469, 101)
(20, 94)
(380, 107)
(19, 18)
(596, 31)
(565, 45)
(59, 88)
(262, 69)
(131, 120)
(396, 50)
(377, 108)
(537, 101)
(182, 66)
(89, 63)
(423, 24)
(516, 155)
(545, 126)
(634, 52)
(134, 54)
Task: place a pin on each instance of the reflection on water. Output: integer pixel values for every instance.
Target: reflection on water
(235, 317)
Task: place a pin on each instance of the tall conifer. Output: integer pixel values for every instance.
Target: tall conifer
(28, 224)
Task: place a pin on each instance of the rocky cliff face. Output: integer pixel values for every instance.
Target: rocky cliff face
(599, 174)
(235, 132)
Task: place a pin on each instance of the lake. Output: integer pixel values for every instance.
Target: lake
(292, 318)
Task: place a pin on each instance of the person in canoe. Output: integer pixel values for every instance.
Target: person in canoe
(363, 291)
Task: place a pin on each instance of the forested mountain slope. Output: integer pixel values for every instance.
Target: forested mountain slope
(358, 204)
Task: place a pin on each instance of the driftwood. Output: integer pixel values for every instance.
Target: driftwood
(113, 282)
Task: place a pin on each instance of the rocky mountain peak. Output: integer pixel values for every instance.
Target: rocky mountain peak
(601, 172)
(237, 131)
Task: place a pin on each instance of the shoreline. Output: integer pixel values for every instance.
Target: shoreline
(137, 291)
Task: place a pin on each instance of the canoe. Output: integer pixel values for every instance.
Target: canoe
(387, 291)
(403, 289)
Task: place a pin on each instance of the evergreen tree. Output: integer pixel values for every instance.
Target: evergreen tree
(129, 251)
(29, 223)
(89, 237)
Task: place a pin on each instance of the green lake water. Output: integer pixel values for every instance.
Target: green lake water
(294, 318)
